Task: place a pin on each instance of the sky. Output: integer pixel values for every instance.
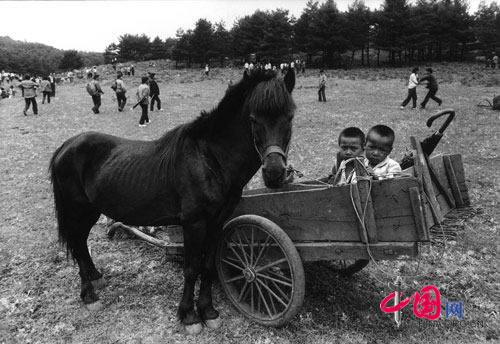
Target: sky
(93, 25)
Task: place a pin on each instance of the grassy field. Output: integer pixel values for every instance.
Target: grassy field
(39, 288)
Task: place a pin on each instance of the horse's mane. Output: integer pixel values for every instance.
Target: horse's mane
(262, 91)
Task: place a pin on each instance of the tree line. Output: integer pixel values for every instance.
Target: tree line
(397, 33)
(40, 59)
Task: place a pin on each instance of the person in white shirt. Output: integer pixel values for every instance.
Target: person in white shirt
(412, 90)
(379, 142)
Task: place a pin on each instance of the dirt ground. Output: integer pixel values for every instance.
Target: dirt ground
(39, 288)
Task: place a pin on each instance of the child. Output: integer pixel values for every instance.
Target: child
(143, 98)
(378, 146)
(432, 85)
(412, 90)
(351, 143)
(322, 86)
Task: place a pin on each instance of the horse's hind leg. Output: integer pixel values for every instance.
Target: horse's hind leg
(79, 228)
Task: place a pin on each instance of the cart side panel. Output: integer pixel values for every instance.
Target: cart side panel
(394, 210)
(324, 214)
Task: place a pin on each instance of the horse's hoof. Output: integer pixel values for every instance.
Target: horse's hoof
(193, 328)
(213, 324)
(94, 306)
(98, 283)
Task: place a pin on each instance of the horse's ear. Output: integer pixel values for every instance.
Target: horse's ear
(290, 80)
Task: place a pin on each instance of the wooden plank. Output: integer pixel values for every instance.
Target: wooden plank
(328, 215)
(338, 250)
(348, 250)
(363, 187)
(311, 214)
(359, 207)
(458, 167)
(418, 214)
(422, 171)
(440, 183)
(455, 189)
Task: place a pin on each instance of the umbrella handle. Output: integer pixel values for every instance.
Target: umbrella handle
(451, 113)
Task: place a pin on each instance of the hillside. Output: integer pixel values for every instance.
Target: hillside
(36, 58)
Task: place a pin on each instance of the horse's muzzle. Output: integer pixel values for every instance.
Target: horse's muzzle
(274, 167)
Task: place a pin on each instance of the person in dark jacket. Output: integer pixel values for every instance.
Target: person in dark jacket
(154, 92)
(432, 85)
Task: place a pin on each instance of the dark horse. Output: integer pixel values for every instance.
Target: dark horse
(192, 176)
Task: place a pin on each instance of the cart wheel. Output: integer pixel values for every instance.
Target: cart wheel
(260, 270)
(347, 267)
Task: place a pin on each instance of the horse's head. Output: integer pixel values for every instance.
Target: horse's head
(270, 111)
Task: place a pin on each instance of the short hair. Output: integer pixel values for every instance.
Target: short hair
(383, 130)
(414, 70)
(353, 132)
(89, 75)
(96, 76)
(144, 79)
(26, 76)
(429, 70)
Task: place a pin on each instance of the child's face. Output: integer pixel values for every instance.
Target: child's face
(350, 147)
(377, 148)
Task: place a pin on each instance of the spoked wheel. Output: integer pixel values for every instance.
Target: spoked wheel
(260, 270)
(347, 267)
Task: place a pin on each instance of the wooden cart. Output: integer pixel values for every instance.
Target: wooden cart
(272, 232)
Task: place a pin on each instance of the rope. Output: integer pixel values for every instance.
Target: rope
(361, 218)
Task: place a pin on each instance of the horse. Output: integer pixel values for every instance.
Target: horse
(191, 176)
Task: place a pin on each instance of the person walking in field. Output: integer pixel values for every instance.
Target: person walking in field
(207, 70)
(322, 86)
(120, 90)
(28, 89)
(46, 89)
(412, 89)
(95, 91)
(432, 85)
(52, 79)
(143, 93)
(154, 92)
(495, 61)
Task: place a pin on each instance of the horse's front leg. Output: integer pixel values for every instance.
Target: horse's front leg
(194, 236)
(205, 307)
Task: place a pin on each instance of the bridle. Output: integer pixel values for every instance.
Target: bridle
(271, 149)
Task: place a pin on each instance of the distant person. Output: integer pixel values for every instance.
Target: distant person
(46, 89)
(143, 93)
(52, 80)
(3, 93)
(322, 86)
(70, 76)
(95, 91)
(120, 90)
(28, 89)
(412, 89)
(495, 61)
(132, 69)
(432, 85)
(113, 64)
(154, 92)
(12, 91)
(207, 70)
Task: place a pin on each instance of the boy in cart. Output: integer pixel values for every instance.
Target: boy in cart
(378, 147)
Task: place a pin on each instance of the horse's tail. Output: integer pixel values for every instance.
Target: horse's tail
(58, 198)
